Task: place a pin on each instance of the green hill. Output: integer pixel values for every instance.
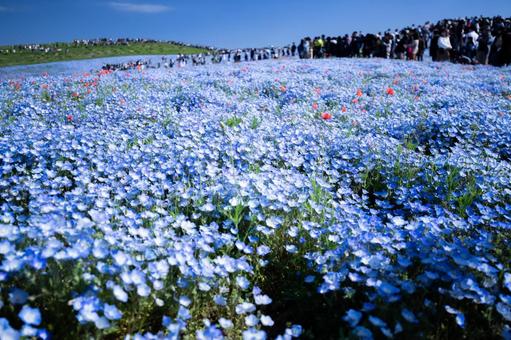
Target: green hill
(67, 51)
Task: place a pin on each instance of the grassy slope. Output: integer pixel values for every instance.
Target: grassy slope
(70, 52)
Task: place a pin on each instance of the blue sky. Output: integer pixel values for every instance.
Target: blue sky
(221, 23)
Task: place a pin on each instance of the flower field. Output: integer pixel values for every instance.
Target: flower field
(314, 199)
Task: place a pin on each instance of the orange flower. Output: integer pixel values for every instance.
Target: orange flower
(343, 109)
(326, 116)
(359, 93)
(390, 91)
(282, 88)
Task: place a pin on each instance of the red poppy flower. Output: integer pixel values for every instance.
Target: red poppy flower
(326, 116)
(69, 118)
(359, 93)
(390, 91)
(315, 106)
(343, 109)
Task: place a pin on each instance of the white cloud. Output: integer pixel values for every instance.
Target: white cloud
(138, 8)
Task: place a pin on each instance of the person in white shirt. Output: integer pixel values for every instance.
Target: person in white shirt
(444, 46)
(470, 41)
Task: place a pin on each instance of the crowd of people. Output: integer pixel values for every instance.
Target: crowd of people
(214, 57)
(477, 40)
(128, 41)
(59, 47)
(251, 54)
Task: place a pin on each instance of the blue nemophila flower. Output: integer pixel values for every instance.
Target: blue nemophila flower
(254, 334)
(7, 331)
(309, 278)
(362, 333)
(29, 331)
(225, 323)
(507, 281)
(119, 293)
(267, 321)
(101, 323)
(262, 299)
(111, 312)
(209, 332)
(460, 317)
(294, 331)
(377, 322)
(185, 301)
(242, 282)
(352, 317)
(386, 288)
(505, 310)
(18, 296)
(263, 250)
(408, 315)
(245, 307)
(31, 316)
(251, 320)
(220, 300)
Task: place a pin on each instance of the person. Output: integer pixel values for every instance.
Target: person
(422, 48)
(356, 44)
(300, 49)
(505, 56)
(483, 46)
(400, 47)
(318, 45)
(307, 50)
(444, 47)
(470, 41)
(413, 47)
(433, 49)
(293, 49)
(496, 46)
